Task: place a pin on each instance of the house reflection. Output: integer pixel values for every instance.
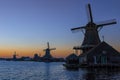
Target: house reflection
(100, 74)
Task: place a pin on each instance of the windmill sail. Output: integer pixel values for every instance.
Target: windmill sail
(107, 22)
(90, 14)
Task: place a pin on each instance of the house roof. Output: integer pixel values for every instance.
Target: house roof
(103, 46)
(72, 56)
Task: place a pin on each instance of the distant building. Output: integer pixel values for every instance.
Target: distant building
(36, 57)
(25, 58)
(72, 59)
(72, 62)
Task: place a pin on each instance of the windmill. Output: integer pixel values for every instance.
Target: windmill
(47, 51)
(15, 56)
(91, 36)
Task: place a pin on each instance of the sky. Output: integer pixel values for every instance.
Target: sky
(27, 25)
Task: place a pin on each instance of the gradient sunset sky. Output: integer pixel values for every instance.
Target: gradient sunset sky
(27, 25)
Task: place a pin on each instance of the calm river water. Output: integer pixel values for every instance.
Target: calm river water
(11, 70)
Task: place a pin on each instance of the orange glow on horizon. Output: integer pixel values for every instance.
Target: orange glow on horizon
(58, 53)
(8, 53)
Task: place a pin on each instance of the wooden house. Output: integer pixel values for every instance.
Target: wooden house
(103, 53)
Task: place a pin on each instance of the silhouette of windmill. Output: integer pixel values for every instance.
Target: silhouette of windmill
(15, 56)
(91, 36)
(47, 51)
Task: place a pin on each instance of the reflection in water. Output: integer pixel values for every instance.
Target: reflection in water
(102, 74)
(51, 71)
(47, 71)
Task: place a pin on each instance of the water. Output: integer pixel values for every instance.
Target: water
(11, 70)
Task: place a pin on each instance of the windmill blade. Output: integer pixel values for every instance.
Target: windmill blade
(89, 13)
(78, 28)
(53, 49)
(107, 22)
(48, 45)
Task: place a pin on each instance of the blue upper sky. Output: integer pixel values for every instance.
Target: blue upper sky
(30, 24)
